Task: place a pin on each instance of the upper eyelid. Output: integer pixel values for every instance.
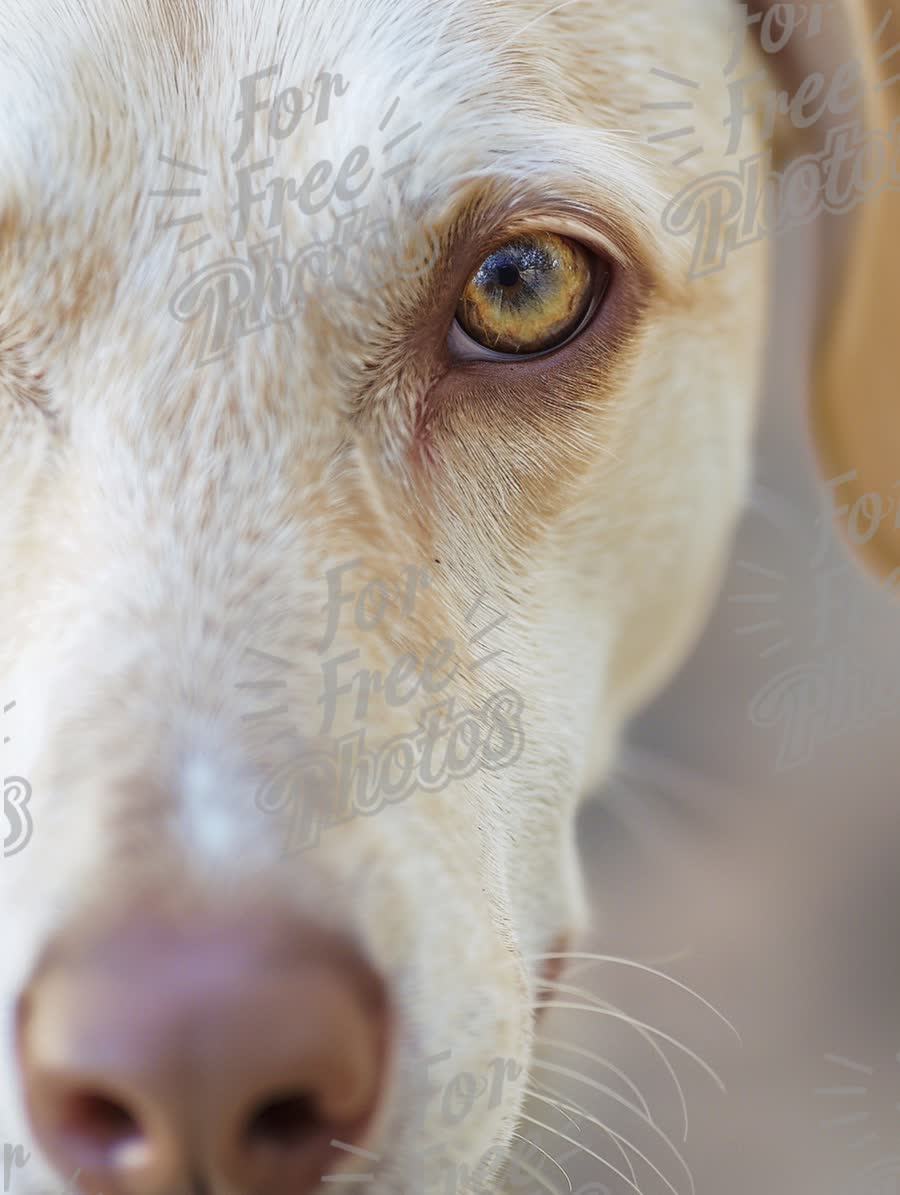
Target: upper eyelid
(523, 225)
(582, 183)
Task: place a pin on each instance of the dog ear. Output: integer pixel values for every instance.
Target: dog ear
(851, 51)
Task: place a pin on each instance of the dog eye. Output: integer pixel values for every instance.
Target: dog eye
(528, 296)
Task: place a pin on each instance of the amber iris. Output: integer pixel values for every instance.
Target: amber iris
(529, 295)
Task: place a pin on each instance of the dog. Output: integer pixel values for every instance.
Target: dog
(339, 549)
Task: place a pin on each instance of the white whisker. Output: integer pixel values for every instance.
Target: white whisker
(605, 1009)
(555, 1043)
(618, 1137)
(664, 1059)
(534, 1094)
(566, 1072)
(533, 1170)
(640, 1025)
(559, 1105)
(584, 956)
(591, 1154)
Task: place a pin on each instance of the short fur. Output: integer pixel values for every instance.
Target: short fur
(160, 520)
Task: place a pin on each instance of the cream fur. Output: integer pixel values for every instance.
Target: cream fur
(160, 519)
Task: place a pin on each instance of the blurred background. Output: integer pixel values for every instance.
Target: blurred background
(748, 847)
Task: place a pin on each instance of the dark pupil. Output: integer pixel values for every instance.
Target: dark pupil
(507, 275)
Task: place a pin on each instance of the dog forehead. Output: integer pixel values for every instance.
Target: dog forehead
(173, 138)
(322, 74)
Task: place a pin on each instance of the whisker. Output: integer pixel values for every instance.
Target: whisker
(558, 1106)
(618, 1137)
(664, 960)
(532, 1170)
(556, 1043)
(605, 1009)
(591, 1154)
(530, 1091)
(664, 1058)
(663, 1136)
(640, 1025)
(544, 1086)
(585, 956)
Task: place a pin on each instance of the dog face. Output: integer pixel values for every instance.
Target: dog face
(330, 610)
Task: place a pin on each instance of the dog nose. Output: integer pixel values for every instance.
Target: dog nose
(163, 1058)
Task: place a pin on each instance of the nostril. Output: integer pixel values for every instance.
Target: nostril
(102, 1127)
(284, 1123)
(141, 1055)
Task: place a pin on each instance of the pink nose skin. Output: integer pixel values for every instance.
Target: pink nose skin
(164, 1059)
